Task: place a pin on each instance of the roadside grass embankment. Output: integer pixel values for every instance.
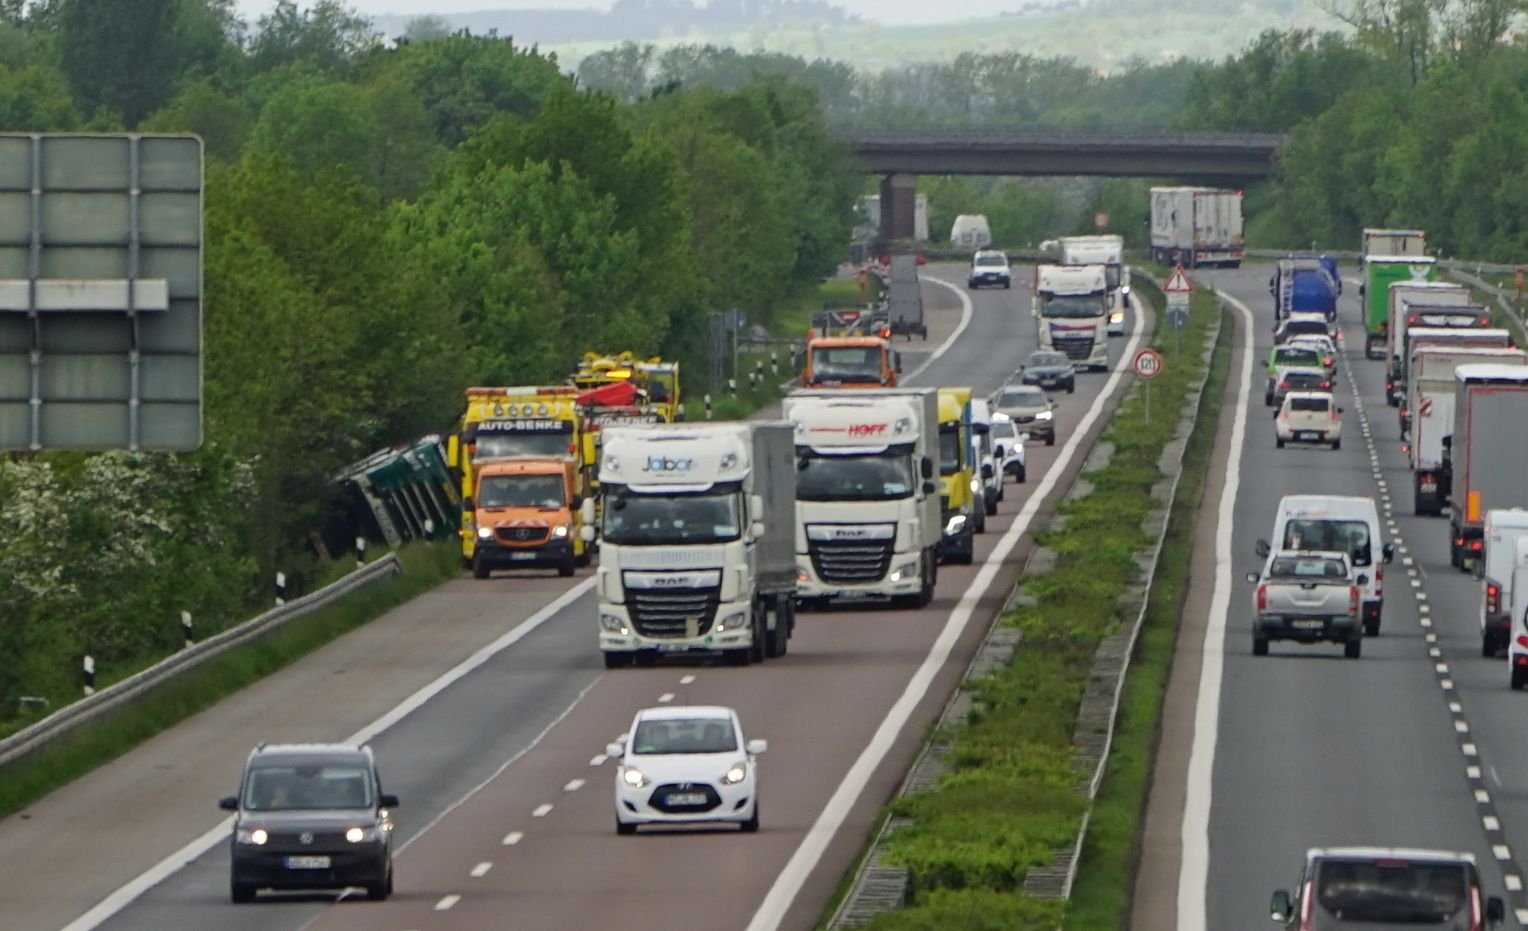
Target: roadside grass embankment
(1012, 793)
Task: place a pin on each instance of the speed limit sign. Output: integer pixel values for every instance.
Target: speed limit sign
(1147, 363)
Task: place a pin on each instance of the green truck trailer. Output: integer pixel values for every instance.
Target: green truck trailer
(1379, 272)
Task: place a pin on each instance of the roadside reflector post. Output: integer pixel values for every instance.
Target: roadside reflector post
(185, 626)
(87, 674)
(708, 406)
(360, 549)
(280, 588)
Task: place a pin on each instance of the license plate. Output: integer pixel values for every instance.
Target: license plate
(1429, 486)
(1307, 435)
(1310, 624)
(673, 647)
(1047, 381)
(522, 555)
(307, 863)
(687, 798)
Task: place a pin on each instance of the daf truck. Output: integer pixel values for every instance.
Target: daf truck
(1487, 453)
(1108, 251)
(697, 542)
(867, 509)
(1193, 226)
(1071, 307)
(959, 489)
(1429, 414)
(1379, 272)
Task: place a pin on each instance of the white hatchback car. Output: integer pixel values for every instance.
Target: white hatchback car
(1308, 417)
(686, 765)
(1008, 446)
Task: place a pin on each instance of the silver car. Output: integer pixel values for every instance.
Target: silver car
(1030, 410)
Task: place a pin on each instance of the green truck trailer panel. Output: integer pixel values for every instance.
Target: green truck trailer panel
(1379, 274)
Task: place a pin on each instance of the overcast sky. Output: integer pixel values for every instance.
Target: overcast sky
(883, 11)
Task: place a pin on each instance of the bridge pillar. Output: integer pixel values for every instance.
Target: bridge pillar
(899, 194)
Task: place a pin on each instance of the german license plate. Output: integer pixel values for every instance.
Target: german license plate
(672, 647)
(307, 863)
(1307, 435)
(1313, 623)
(1047, 381)
(522, 555)
(687, 798)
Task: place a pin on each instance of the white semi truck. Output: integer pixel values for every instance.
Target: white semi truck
(697, 551)
(1071, 306)
(867, 503)
(1394, 242)
(1430, 407)
(1195, 226)
(1487, 452)
(1108, 251)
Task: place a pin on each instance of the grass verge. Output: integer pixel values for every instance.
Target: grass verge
(425, 565)
(1010, 796)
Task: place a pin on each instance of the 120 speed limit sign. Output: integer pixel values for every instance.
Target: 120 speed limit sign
(1147, 363)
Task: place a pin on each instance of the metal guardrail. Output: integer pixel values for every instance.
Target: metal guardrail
(77, 714)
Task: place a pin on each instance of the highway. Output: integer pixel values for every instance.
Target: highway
(507, 810)
(1418, 743)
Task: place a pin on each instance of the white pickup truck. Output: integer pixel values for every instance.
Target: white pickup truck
(1308, 597)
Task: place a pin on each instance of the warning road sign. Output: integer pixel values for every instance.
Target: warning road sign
(1147, 363)
(1177, 282)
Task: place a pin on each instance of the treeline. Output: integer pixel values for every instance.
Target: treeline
(385, 225)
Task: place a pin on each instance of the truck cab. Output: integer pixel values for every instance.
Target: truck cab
(1108, 251)
(1379, 272)
(1071, 307)
(527, 513)
(960, 489)
(850, 362)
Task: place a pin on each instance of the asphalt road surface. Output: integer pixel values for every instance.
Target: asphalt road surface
(507, 806)
(1418, 743)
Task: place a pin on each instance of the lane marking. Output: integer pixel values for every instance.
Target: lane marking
(512, 838)
(446, 902)
(598, 759)
(573, 785)
(782, 893)
(1472, 772)
(1194, 863)
(1513, 882)
(481, 870)
(1469, 749)
(1501, 851)
(665, 698)
(687, 680)
(542, 810)
(125, 894)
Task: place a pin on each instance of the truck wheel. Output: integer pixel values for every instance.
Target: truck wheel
(617, 660)
(926, 592)
(1353, 649)
(759, 649)
(1259, 646)
(777, 641)
(480, 568)
(1371, 626)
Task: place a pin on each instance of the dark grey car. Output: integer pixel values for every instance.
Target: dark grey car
(1374, 888)
(1049, 369)
(1032, 412)
(311, 816)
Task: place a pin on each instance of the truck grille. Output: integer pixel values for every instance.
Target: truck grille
(1074, 347)
(673, 612)
(521, 535)
(849, 562)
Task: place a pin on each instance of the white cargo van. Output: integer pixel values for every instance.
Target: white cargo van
(1517, 652)
(1504, 527)
(1337, 523)
(971, 231)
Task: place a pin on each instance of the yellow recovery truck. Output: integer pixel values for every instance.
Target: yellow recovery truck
(517, 450)
(619, 389)
(960, 488)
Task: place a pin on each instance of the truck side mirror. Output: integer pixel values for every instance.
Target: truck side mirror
(468, 504)
(1278, 906)
(927, 467)
(1448, 442)
(587, 512)
(1262, 548)
(755, 506)
(756, 529)
(586, 533)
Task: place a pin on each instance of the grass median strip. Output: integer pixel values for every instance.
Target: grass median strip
(23, 782)
(1010, 796)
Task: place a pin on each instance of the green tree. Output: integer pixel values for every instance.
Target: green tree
(328, 37)
(222, 119)
(320, 125)
(463, 81)
(119, 56)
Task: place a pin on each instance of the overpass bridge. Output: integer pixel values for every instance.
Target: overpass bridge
(1198, 157)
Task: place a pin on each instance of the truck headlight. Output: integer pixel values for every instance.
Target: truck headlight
(560, 532)
(256, 836)
(735, 775)
(976, 485)
(905, 570)
(361, 835)
(613, 624)
(633, 777)
(1043, 415)
(484, 533)
(734, 621)
(955, 525)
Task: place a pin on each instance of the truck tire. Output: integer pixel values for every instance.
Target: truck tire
(617, 660)
(1259, 646)
(991, 507)
(1371, 626)
(759, 648)
(1353, 649)
(480, 568)
(777, 640)
(1278, 442)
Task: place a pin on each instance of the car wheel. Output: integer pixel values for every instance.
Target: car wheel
(1050, 440)
(624, 829)
(379, 891)
(1336, 444)
(1278, 442)
(1259, 646)
(1071, 387)
(1487, 645)
(751, 826)
(617, 660)
(1353, 649)
(1022, 476)
(240, 893)
(1371, 627)
(992, 508)
(1519, 678)
(480, 568)
(1007, 285)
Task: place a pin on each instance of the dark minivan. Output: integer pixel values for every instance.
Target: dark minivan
(1369, 888)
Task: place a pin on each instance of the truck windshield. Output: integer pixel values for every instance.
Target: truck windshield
(1072, 306)
(877, 477)
(507, 445)
(1333, 536)
(713, 516)
(1391, 891)
(521, 491)
(847, 363)
(949, 449)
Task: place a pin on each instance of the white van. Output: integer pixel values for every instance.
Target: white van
(1517, 654)
(1504, 527)
(971, 231)
(1341, 523)
(991, 474)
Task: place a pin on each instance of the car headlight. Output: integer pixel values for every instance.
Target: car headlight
(612, 624)
(484, 533)
(1043, 415)
(256, 836)
(735, 775)
(976, 484)
(633, 777)
(735, 621)
(955, 525)
(904, 571)
(1124, 289)
(560, 532)
(362, 835)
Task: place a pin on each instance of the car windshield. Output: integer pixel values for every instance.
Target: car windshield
(1021, 397)
(1293, 327)
(504, 445)
(949, 450)
(1391, 891)
(1314, 405)
(991, 261)
(1307, 567)
(1040, 359)
(1003, 430)
(1305, 379)
(684, 735)
(877, 477)
(1333, 536)
(671, 519)
(1293, 355)
(861, 363)
(521, 491)
(1072, 306)
(300, 787)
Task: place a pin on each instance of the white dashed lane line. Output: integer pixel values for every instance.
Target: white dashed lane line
(513, 838)
(573, 785)
(481, 870)
(542, 810)
(446, 902)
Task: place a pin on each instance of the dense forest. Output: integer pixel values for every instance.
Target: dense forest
(385, 225)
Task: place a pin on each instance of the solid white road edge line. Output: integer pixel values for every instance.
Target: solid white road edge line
(1194, 861)
(787, 885)
(171, 864)
(965, 321)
